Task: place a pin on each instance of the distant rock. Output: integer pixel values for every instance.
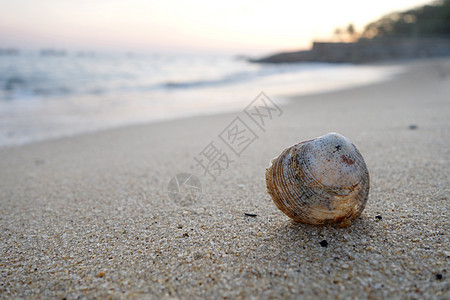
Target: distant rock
(53, 52)
(9, 51)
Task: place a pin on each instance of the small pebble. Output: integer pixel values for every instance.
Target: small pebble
(250, 215)
(378, 217)
(345, 224)
(438, 276)
(323, 243)
(412, 127)
(101, 274)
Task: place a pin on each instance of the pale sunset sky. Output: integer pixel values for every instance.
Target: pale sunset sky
(232, 26)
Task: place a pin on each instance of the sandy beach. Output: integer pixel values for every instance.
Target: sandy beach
(90, 216)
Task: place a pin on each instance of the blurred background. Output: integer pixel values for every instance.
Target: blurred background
(68, 67)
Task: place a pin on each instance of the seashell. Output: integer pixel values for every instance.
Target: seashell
(320, 181)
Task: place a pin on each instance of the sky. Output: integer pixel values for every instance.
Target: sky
(232, 26)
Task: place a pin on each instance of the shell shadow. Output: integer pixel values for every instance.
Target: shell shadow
(318, 243)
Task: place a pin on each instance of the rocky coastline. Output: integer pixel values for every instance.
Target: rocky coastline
(365, 50)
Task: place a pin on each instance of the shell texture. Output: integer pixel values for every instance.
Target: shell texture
(320, 181)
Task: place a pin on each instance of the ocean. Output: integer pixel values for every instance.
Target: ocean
(49, 95)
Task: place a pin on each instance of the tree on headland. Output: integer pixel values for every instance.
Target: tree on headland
(351, 32)
(338, 33)
(426, 21)
(350, 29)
(347, 35)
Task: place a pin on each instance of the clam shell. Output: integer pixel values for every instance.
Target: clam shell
(324, 180)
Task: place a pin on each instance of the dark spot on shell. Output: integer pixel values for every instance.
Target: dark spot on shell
(338, 147)
(347, 160)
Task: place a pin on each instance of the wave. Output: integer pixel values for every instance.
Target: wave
(16, 87)
(234, 78)
(33, 77)
(240, 77)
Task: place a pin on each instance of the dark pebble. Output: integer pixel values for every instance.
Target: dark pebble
(250, 215)
(378, 217)
(412, 127)
(323, 243)
(438, 276)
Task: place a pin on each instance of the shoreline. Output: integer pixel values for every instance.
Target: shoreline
(89, 215)
(49, 119)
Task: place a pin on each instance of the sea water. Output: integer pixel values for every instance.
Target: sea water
(50, 96)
